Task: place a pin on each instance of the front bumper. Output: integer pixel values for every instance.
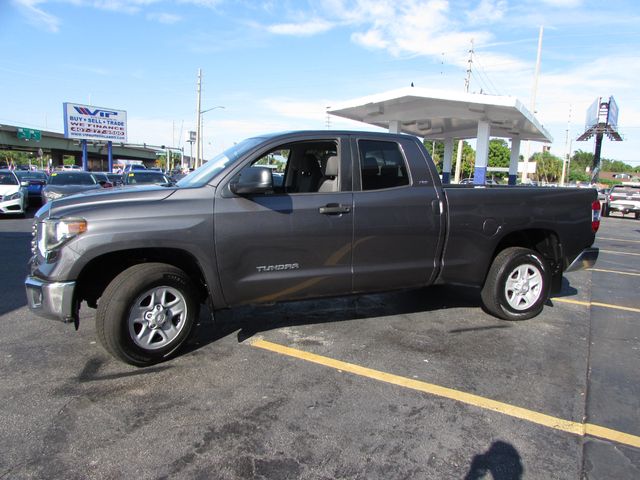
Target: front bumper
(586, 259)
(53, 300)
(11, 206)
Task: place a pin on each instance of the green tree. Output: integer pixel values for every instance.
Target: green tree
(548, 167)
(437, 154)
(499, 155)
(468, 159)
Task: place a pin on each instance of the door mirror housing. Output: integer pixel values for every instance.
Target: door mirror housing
(252, 180)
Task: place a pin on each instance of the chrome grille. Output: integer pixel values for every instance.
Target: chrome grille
(34, 239)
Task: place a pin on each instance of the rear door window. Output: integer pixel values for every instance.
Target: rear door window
(382, 165)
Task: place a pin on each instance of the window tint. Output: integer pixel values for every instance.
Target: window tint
(381, 165)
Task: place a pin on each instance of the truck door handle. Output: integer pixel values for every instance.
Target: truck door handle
(334, 209)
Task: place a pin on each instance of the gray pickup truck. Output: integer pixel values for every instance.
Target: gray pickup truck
(298, 215)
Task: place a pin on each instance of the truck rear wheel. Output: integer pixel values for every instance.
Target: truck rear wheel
(517, 285)
(146, 313)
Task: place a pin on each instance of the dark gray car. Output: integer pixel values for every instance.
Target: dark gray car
(61, 184)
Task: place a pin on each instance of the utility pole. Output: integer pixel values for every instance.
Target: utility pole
(198, 119)
(534, 93)
(467, 81)
(567, 154)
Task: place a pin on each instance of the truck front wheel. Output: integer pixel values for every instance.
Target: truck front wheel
(146, 313)
(517, 285)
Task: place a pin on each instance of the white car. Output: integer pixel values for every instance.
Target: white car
(623, 198)
(13, 194)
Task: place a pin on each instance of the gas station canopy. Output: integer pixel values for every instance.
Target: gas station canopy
(435, 114)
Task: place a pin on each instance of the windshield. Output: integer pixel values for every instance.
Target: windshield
(7, 178)
(31, 176)
(206, 172)
(61, 178)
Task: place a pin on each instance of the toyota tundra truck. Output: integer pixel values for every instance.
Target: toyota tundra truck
(292, 216)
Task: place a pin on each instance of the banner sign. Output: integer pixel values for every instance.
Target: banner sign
(593, 114)
(612, 115)
(94, 123)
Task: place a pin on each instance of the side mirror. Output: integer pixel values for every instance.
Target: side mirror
(252, 180)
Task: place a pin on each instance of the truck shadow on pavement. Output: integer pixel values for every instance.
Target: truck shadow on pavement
(251, 320)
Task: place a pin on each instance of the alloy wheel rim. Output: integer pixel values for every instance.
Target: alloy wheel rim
(523, 287)
(157, 317)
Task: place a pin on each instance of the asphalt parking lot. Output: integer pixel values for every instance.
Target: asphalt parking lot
(415, 385)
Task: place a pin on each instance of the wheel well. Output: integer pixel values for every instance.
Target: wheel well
(545, 242)
(100, 271)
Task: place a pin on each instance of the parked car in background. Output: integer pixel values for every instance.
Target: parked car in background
(114, 178)
(36, 180)
(623, 198)
(145, 177)
(61, 184)
(13, 194)
(103, 179)
(133, 167)
(469, 181)
(70, 167)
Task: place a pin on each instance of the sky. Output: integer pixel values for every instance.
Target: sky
(278, 65)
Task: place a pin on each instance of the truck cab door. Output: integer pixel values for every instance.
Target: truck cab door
(293, 241)
(398, 222)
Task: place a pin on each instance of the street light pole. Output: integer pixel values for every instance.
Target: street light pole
(198, 118)
(199, 140)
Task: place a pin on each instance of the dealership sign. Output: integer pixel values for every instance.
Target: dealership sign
(94, 123)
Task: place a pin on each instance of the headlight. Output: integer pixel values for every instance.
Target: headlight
(51, 195)
(13, 196)
(55, 232)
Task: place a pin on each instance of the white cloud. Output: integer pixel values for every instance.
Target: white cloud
(302, 29)
(165, 18)
(36, 16)
(487, 11)
(203, 3)
(314, 111)
(563, 3)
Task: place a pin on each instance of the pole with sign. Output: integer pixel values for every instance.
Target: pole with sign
(85, 160)
(110, 156)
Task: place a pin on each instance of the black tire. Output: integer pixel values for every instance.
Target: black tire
(637, 215)
(605, 210)
(151, 332)
(517, 285)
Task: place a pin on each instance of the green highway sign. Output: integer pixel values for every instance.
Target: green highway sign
(29, 134)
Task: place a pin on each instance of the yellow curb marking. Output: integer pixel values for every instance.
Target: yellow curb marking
(569, 426)
(614, 271)
(614, 252)
(618, 239)
(595, 304)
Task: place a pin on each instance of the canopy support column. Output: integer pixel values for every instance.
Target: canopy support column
(482, 153)
(448, 157)
(513, 161)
